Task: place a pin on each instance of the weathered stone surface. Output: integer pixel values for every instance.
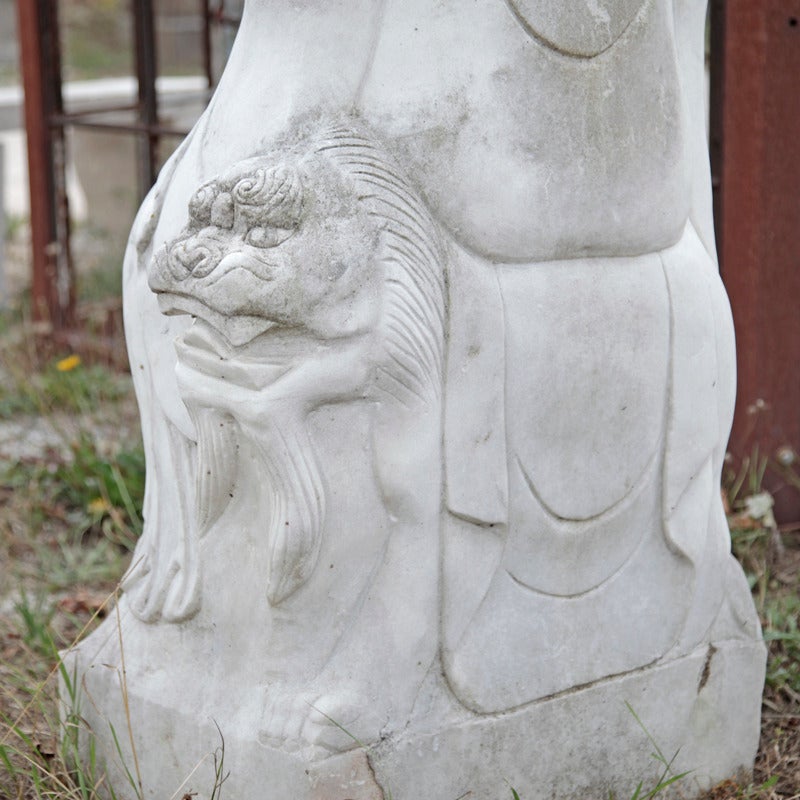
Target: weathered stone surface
(436, 375)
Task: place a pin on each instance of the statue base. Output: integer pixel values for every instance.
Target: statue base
(703, 709)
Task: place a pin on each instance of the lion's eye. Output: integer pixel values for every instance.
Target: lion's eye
(267, 237)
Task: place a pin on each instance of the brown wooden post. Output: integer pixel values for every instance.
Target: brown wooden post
(755, 149)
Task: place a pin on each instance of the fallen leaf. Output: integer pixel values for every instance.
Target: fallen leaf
(82, 602)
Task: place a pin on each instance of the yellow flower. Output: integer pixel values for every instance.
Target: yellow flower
(98, 506)
(68, 363)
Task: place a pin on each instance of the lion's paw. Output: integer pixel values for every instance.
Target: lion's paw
(328, 722)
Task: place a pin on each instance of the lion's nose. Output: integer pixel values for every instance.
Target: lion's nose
(158, 275)
(197, 256)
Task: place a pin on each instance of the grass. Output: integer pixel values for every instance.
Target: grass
(81, 482)
(47, 752)
(45, 749)
(771, 569)
(771, 561)
(71, 489)
(70, 516)
(52, 389)
(14, 225)
(667, 777)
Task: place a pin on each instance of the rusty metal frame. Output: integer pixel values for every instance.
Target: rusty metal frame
(53, 277)
(755, 156)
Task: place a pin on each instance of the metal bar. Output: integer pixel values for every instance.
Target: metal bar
(758, 219)
(119, 127)
(42, 232)
(174, 100)
(221, 17)
(208, 65)
(68, 116)
(53, 293)
(717, 90)
(63, 313)
(146, 71)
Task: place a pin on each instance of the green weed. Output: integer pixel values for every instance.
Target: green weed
(94, 493)
(666, 777)
(105, 280)
(48, 751)
(34, 745)
(78, 389)
(103, 487)
(748, 479)
(220, 776)
(14, 223)
(758, 545)
(47, 758)
(35, 621)
(69, 564)
(780, 621)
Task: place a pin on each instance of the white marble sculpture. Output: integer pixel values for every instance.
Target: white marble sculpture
(436, 375)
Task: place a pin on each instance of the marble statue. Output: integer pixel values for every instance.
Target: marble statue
(436, 374)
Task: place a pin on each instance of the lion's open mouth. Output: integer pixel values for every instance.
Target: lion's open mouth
(205, 350)
(237, 330)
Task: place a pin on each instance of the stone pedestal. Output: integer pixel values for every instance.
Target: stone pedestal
(584, 742)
